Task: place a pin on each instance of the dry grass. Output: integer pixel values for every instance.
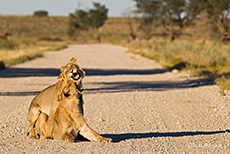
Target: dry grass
(208, 59)
(27, 51)
(30, 36)
(35, 28)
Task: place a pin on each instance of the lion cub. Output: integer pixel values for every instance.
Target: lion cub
(45, 103)
(68, 118)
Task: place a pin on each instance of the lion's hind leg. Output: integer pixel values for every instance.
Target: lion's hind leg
(41, 125)
(33, 115)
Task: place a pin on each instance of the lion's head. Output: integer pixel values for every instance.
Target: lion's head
(72, 71)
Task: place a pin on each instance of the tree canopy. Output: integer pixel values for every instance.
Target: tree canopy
(92, 19)
(175, 14)
(40, 13)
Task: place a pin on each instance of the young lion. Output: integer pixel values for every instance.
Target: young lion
(46, 102)
(68, 118)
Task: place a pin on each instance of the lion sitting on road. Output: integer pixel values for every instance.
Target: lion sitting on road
(46, 103)
(68, 118)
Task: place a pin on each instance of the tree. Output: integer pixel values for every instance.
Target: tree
(174, 14)
(131, 19)
(177, 14)
(150, 11)
(41, 13)
(83, 20)
(148, 8)
(220, 11)
(97, 18)
(194, 8)
(78, 21)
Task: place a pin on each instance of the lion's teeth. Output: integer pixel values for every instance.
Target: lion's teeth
(74, 71)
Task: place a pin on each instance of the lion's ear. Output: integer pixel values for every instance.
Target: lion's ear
(61, 76)
(62, 68)
(72, 60)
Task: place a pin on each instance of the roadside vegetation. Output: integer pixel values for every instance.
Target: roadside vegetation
(194, 38)
(210, 60)
(26, 37)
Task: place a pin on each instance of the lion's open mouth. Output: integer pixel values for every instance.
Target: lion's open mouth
(75, 76)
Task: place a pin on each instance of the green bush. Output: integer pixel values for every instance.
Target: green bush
(40, 13)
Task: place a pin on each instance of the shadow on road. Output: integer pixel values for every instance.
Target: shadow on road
(111, 87)
(24, 93)
(115, 87)
(105, 87)
(104, 72)
(121, 137)
(28, 72)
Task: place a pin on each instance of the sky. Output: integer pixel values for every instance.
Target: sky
(61, 7)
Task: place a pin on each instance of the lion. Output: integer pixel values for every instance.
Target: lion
(46, 102)
(68, 118)
(40, 125)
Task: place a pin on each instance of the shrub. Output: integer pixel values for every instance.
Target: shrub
(2, 65)
(84, 20)
(40, 13)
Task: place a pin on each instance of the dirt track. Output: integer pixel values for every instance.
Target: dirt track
(142, 107)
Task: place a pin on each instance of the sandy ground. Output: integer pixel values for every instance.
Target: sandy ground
(142, 107)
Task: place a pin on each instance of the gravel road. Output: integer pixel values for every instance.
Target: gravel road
(142, 107)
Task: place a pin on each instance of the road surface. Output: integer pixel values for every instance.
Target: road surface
(142, 107)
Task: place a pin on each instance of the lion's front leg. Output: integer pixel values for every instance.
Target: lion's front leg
(67, 137)
(90, 134)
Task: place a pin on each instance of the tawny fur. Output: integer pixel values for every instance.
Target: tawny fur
(69, 119)
(46, 101)
(40, 125)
